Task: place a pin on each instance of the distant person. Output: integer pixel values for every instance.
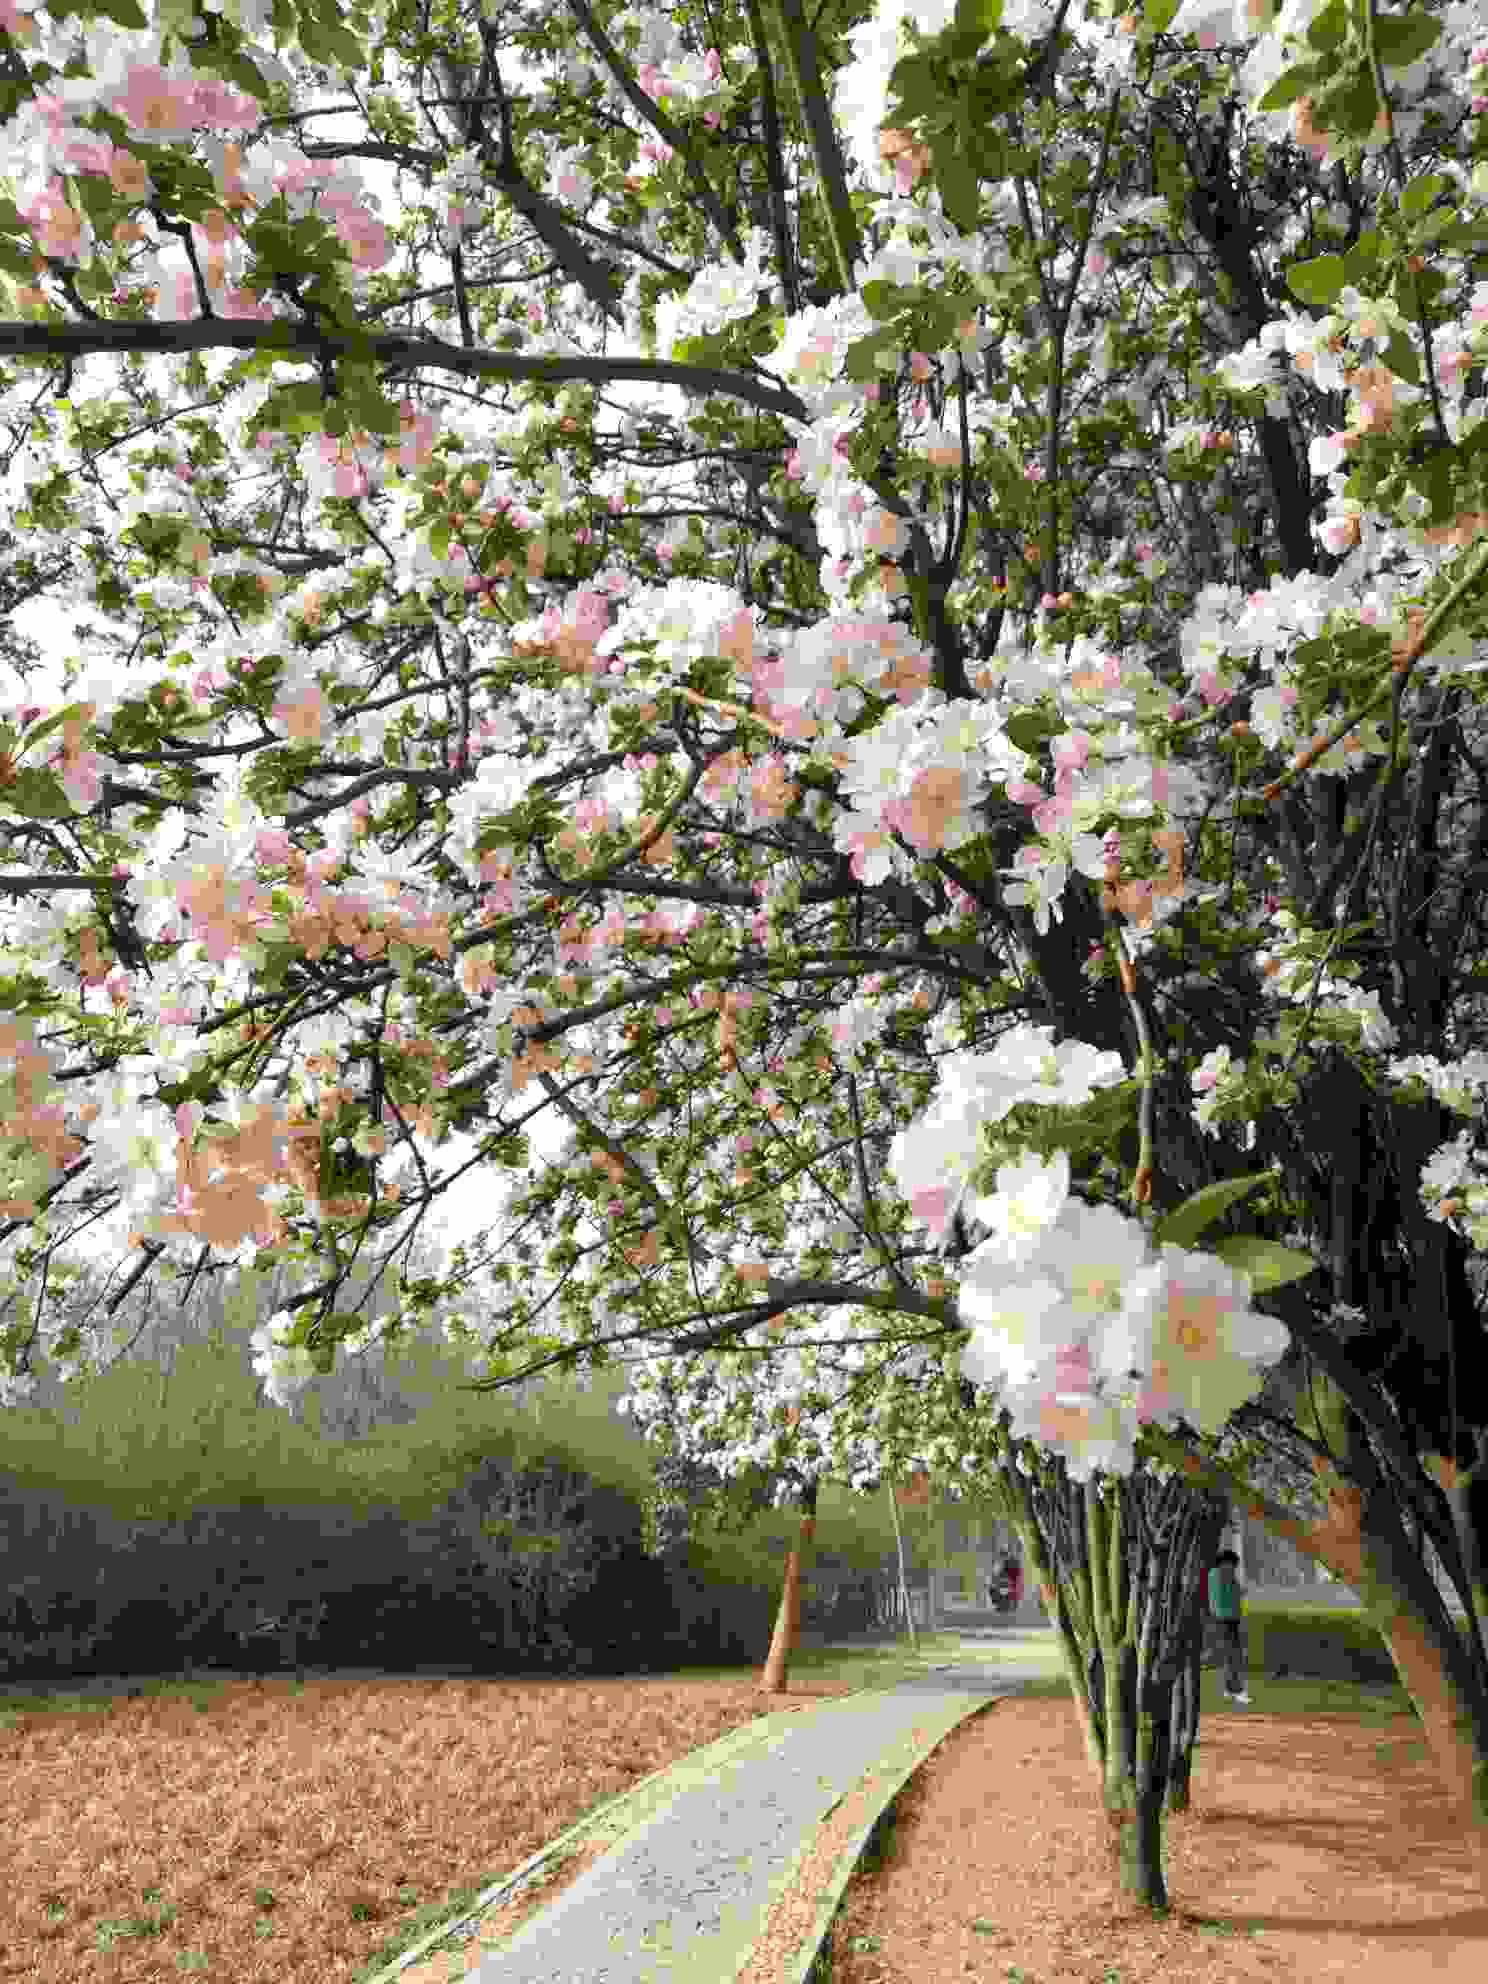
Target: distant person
(1226, 1600)
(1010, 1572)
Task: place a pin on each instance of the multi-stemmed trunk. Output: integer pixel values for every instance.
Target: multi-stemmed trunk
(1126, 1602)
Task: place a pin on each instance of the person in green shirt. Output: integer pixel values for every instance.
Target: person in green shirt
(1226, 1595)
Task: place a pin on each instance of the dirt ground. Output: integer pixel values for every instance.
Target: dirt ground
(1314, 1848)
(257, 1833)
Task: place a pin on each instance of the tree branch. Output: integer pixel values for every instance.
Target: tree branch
(800, 54)
(655, 116)
(392, 348)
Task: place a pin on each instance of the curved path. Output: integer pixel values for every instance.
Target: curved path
(696, 1857)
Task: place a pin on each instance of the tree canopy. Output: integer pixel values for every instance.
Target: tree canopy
(593, 635)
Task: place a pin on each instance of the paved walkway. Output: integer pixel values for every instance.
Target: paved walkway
(682, 1896)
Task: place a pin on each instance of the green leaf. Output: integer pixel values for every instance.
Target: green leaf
(1161, 14)
(860, 356)
(1289, 85)
(960, 194)
(978, 17)
(1420, 193)
(914, 89)
(1362, 260)
(882, 299)
(1318, 281)
(237, 69)
(1266, 1263)
(1400, 355)
(1182, 1226)
(36, 795)
(1028, 729)
(371, 407)
(1355, 107)
(1329, 29)
(346, 51)
(1401, 39)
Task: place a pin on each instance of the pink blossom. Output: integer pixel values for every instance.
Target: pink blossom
(81, 779)
(1072, 1371)
(417, 444)
(273, 847)
(222, 108)
(155, 104)
(88, 154)
(175, 296)
(367, 240)
(58, 227)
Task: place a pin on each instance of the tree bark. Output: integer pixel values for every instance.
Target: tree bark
(1086, 1713)
(1122, 1578)
(1134, 1781)
(788, 1618)
(1140, 1846)
(1183, 1720)
(1183, 1725)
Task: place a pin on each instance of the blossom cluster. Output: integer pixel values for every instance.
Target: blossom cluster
(1084, 1329)
(914, 781)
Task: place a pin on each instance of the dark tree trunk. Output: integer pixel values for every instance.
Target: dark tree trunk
(1141, 1848)
(1136, 1777)
(1183, 1722)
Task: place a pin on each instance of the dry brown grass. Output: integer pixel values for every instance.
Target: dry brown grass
(253, 1832)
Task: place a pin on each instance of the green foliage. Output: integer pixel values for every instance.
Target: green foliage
(1318, 281)
(1088, 1131)
(1401, 39)
(137, 1441)
(1267, 1264)
(1182, 1226)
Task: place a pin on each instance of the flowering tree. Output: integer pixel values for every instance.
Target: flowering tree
(1046, 637)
